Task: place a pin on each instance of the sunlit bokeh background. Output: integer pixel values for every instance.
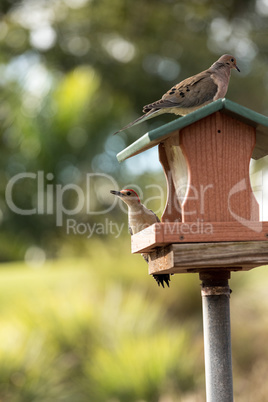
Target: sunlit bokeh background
(80, 318)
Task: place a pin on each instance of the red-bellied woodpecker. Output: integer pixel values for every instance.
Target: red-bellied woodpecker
(139, 218)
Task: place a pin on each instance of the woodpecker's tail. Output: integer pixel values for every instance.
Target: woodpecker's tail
(161, 279)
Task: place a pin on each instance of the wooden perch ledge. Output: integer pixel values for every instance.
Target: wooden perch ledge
(161, 234)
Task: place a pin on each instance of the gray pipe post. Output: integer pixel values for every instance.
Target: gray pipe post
(217, 335)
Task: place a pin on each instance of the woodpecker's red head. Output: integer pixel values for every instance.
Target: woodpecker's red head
(129, 196)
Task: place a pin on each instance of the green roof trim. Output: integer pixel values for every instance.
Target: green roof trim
(248, 116)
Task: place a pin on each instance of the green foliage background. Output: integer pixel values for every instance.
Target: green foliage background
(80, 318)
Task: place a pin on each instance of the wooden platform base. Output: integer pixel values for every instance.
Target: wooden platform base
(195, 247)
(198, 257)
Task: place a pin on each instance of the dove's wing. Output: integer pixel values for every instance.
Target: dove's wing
(192, 92)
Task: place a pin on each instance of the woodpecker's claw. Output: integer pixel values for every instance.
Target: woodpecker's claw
(162, 279)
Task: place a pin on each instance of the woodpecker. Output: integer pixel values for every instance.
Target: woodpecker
(139, 218)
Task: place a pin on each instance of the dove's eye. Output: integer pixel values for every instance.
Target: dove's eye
(232, 60)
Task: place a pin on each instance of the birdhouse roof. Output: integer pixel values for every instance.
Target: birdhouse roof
(247, 116)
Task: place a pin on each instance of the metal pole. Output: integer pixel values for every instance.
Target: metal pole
(217, 335)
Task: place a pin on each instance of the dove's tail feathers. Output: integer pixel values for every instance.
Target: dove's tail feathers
(144, 117)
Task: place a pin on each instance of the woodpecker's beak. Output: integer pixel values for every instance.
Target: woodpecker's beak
(237, 68)
(116, 193)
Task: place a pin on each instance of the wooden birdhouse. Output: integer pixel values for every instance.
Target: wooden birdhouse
(211, 218)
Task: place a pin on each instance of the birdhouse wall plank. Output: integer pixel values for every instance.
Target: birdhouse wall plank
(218, 149)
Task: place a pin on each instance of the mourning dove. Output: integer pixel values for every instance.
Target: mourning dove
(193, 92)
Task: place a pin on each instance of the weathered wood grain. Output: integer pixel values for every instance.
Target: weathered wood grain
(196, 257)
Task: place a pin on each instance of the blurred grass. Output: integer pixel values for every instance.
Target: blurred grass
(99, 329)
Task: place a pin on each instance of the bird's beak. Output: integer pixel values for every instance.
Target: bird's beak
(116, 193)
(237, 68)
